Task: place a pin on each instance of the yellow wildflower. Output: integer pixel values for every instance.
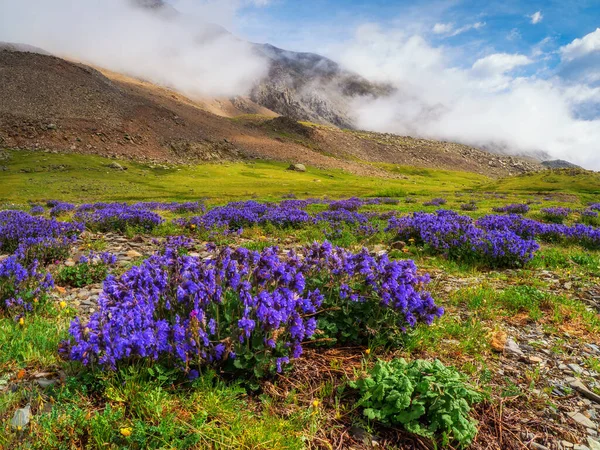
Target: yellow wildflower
(21, 321)
(315, 403)
(126, 431)
(367, 351)
(63, 304)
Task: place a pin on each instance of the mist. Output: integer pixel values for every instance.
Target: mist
(495, 103)
(186, 52)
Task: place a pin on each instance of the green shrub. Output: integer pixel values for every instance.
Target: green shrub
(82, 274)
(426, 398)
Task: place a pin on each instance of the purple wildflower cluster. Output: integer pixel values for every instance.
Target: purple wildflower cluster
(240, 309)
(435, 202)
(37, 210)
(116, 217)
(238, 215)
(59, 208)
(578, 234)
(556, 214)
(92, 257)
(458, 237)
(20, 285)
(31, 238)
(515, 208)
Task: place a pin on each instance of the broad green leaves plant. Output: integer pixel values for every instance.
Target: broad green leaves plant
(426, 398)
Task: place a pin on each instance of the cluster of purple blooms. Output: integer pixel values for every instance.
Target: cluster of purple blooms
(92, 257)
(21, 285)
(435, 202)
(236, 216)
(458, 237)
(37, 210)
(578, 234)
(31, 238)
(515, 208)
(556, 214)
(116, 217)
(240, 309)
(59, 208)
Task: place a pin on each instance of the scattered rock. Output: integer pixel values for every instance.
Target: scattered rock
(575, 368)
(133, 254)
(593, 444)
(513, 348)
(297, 167)
(21, 418)
(45, 382)
(582, 420)
(583, 390)
(115, 166)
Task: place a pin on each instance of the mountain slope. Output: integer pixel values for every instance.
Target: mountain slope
(310, 87)
(51, 103)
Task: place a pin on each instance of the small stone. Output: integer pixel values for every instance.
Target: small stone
(566, 444)
(581, 419)
(115, 166)
(297, 167)
(21, 418)
(512, 347)
(568, 285)
(537, 446)
(583, 390)
(535, 359)
(575, 368)
(45, 382)
(593, 347)
(593, 444)
(133, 254)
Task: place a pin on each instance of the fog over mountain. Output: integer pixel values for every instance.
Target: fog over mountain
(382, 80)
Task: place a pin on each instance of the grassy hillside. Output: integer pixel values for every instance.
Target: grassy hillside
(575, 181)
(37, 176)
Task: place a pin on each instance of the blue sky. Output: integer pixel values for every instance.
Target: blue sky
(504, 26)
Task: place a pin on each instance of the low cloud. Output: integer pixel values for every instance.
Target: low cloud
(492, 104)
(182, 51)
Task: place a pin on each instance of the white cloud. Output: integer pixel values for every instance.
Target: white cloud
(499, 63)
(443, 28)
(580, 60)
(588, 44)
(448, 29)
(483, 105)
(536, 17)
(513, 35)
(182, 51)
